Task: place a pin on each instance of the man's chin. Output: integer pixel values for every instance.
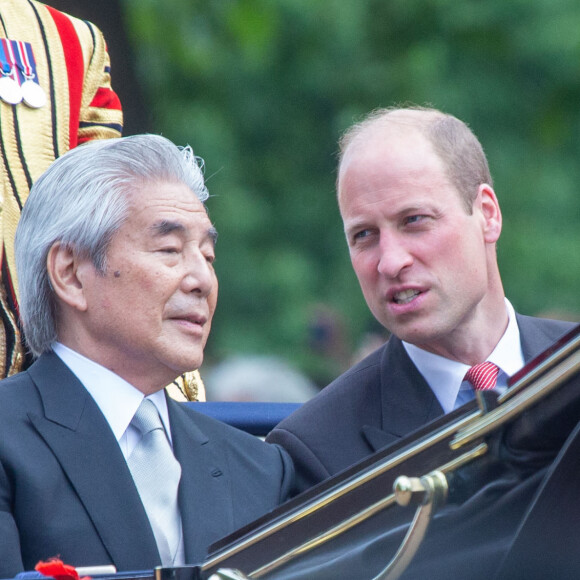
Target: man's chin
(416, 335)
(187, 364)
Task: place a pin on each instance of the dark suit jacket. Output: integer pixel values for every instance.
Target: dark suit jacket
(374, 404)
(66, 490)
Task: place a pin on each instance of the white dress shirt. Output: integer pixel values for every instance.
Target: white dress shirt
(116, 398)
(445, 376)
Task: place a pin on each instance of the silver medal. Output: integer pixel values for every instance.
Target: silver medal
(10, 91)
(33, 94)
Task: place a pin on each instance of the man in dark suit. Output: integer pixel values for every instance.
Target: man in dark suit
(115, 256)
(421, 220)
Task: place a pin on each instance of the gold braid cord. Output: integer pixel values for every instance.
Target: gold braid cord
(188, 387)
(11, 349)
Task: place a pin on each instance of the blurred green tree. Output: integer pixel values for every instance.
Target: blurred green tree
(262, 90)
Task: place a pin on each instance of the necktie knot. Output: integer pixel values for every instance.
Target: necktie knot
(146, 418)
(483, 376)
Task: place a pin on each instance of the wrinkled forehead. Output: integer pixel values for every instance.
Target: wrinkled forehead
(162, 194)
(153, 203)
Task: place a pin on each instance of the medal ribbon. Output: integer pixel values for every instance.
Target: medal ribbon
(8, 51)
(25, 59)
(5, 60)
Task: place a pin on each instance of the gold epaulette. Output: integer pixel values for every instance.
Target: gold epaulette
(187, 387)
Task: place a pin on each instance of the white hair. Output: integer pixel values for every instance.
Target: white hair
(81, 201)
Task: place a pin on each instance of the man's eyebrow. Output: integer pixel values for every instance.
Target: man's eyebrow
(166, 227)
(212, 234)
(351, 228)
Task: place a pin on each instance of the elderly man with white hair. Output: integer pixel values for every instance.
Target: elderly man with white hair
(115, 255)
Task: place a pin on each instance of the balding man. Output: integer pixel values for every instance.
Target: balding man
(422, 221)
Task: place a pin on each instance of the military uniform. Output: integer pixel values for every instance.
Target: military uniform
(72, 71)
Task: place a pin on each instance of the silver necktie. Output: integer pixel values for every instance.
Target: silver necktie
(156, 473)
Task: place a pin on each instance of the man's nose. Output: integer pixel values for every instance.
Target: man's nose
(200, 276)
(394, 255)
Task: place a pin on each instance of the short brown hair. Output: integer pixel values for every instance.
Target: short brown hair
(452, 140)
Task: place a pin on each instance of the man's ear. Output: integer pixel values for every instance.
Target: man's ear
(491, 213)
(62, 264)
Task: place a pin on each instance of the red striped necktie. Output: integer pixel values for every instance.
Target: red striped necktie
(483, 376)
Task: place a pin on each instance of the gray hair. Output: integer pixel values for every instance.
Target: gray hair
(453, 141)
(81, 201)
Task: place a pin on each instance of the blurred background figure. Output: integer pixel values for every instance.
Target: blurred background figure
(327, 343)
(255, 378)
(370, 341)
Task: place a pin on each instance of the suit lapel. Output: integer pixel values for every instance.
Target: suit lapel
(204, 492)
(536, 335)
(407, 402)
(82, 441)
(406, 399)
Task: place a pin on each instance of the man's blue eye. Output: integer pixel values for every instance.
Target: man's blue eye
(413, 219)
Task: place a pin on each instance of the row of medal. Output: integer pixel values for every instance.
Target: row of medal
(19, 81)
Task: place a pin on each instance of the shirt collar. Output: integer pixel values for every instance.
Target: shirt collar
(117, 399)
(445, 376)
